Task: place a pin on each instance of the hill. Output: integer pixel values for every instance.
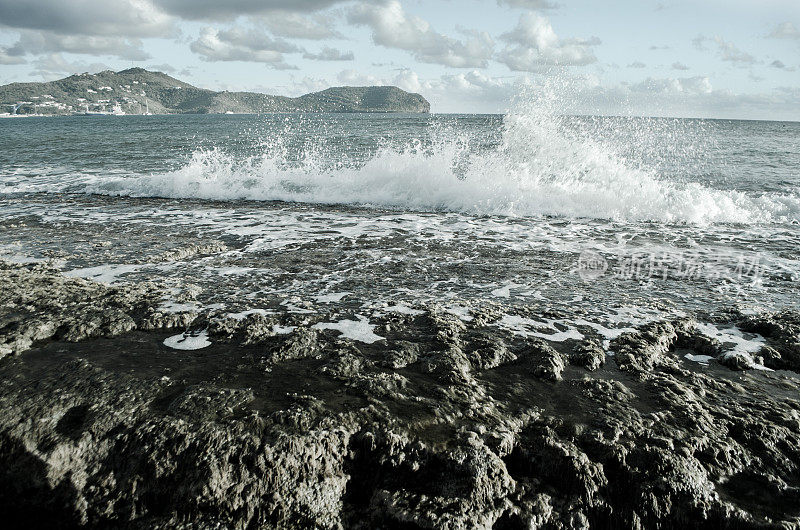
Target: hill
(136, 90)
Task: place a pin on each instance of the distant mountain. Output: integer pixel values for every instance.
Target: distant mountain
(136, 91)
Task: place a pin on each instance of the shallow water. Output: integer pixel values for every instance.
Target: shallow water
(597, 223)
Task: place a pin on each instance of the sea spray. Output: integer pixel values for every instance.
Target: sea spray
(536, 162)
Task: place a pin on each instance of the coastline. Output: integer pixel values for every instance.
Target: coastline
(441, 422)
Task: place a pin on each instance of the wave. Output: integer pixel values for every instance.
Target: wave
(539, 168)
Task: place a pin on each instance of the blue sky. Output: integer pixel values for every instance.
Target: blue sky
(712, 58)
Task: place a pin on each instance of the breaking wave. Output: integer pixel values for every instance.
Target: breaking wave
(540, 167)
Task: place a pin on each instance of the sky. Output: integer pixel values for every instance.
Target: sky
(700, 58)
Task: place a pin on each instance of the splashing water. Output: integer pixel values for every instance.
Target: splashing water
(544, 164)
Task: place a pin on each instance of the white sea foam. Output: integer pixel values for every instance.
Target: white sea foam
(735, 344)
(360, 330)
(403, 309)
(541, 165)
(548, 329)
(244, 314)
(331, 297)
(188, 341)
(109, 274)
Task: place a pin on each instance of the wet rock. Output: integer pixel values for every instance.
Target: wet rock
(736, 361)
(782, 331)
(302, 343)
(39, 303)
(549, 363)
(486, 352)
(401, 354)
(446, 424)
(589, 354)
(641, 350)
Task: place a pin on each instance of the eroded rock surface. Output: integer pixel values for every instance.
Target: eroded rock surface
(444, 423)
(38, 303)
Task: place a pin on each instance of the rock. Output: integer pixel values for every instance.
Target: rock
(39, 304)
(445, 424)
(550, 363)
(400, 355)
(487, 352)
(641, 350)
(782, 331)
(736, 361)
(589, 354)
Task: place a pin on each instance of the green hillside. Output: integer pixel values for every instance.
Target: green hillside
(135, 91)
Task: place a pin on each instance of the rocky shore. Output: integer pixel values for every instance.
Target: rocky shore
(429, 420)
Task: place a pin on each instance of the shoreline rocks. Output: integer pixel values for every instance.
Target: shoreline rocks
(442, 424)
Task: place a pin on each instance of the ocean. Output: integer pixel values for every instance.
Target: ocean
(597, 224)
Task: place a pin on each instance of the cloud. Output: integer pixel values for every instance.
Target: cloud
(166, 68)
(726, 50)
(41, 42)
(393, 28)
(231, 9)
(533, 45)
(471, 91)
(297, 26)
(88, 27)
(54, 65)
(10, 55)
(111, 18)
(308, 85)
(237, 44)
(689, 97)
(329, 54)
(787, 30)
(355, 78)
(537, 5)
(679, 66)
(637, 64)
(673, 86)
(729, 52)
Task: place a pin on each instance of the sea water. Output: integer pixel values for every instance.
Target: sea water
(597, 223)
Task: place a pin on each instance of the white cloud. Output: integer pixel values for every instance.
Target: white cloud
(54, 65)
(113, 18)
(780, 65)
(679, 66)
(309, 84)
(40, 42)
(538, 5)
(726, 50)
(393, 28)
(471, 91)
(230, 9)
(88, 27)
(248, 45)
(729, 52)
(674, 86)
(354, 78)
(297, 26)
(534, 45)
(329, 54)
(166, 68)
(637, 64)
(787, 30)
